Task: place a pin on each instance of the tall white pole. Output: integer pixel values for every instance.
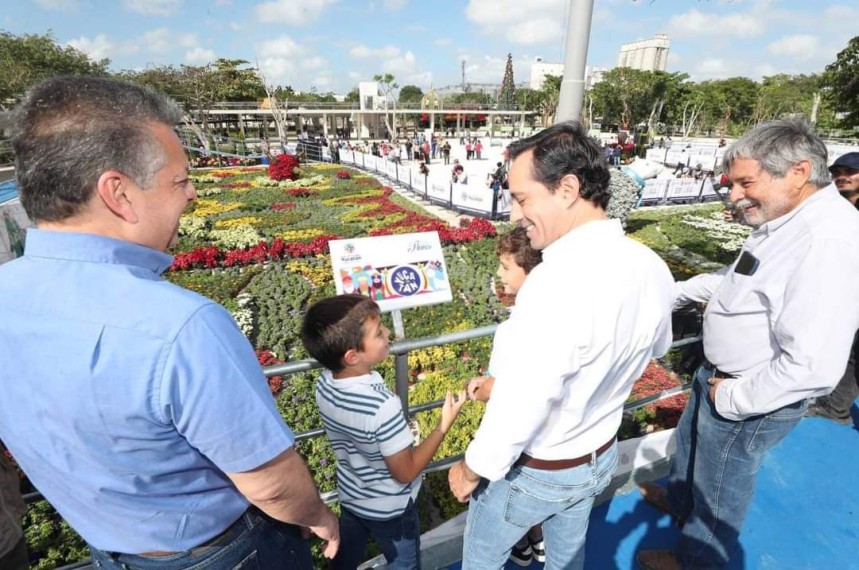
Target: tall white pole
(575, 59)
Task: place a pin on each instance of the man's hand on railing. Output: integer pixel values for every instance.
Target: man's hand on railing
(462, 481)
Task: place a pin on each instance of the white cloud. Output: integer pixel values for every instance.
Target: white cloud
(441, 42)
(697, 24)
(354, 75)
(714, 68)
(162, 40)
(314, 62)
(98, 47)
(235, 26)
(152, 7)
(290, 12)
(200, 56)
(394, 4)
(765, 70)
(538, 31)
(529, 23)
(362, 51)
(282, 60)
(63, 5)
(323, 82)
(802, 47)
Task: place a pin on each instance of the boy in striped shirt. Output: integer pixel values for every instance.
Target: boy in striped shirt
(378, 469)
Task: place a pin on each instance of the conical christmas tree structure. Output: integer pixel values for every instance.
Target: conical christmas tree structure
(507, 93)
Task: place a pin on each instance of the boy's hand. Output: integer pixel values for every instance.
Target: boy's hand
(450, 410)
(480, 388)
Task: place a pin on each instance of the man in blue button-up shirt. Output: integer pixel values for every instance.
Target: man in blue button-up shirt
(135, 406)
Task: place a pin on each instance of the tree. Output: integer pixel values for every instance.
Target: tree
(626, 96)
(550, 94)
(507, 93)
(842, 81)
(387, 86)
(353, 96)
(26, 60)
(411, 94)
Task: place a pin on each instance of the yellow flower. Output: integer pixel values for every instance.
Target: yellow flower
(236, 222)
(300, 235)
(207, 208)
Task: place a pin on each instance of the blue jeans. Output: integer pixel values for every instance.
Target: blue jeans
(398, 538)
(501, 512)
(255, 541)
(712, 479)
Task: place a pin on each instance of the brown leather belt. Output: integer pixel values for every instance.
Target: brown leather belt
(558, 464)
(716, 372)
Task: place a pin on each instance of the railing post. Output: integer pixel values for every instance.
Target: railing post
(401, 363)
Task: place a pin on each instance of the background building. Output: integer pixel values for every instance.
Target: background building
(540, 69)
(647, 55)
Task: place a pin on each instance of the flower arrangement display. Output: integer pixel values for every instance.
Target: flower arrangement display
(343, 175)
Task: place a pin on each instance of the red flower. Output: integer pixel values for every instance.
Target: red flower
(284, 167)
(283, 206)
(343, 174)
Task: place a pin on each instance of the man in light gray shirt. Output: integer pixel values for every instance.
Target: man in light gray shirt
(777, 331)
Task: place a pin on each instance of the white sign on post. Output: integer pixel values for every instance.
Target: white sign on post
(392, 169)
(398, 271)
(419, 183)
(683, 188)
(438, 189)
(654, 189)
(475, 198)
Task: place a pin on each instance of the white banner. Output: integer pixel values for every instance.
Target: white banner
(419, 183)
(438, 188)
(398, 272)
(675, 157)
(707, 161)
(683, 188)
(504, 200)
(380, 165)
(404, 175)
(391, 169)
(656, 155)
(708, 190)
(347, 156)
(472, 197)
(654, 189)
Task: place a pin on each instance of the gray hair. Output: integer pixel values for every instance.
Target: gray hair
(779, 145)
(69, 130)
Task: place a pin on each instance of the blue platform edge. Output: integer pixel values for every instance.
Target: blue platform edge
(805, 512)
(8, 191)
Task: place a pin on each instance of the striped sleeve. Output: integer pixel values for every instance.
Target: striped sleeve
(392, 432)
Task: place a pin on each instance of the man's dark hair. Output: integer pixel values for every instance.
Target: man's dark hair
(517, 244)
(335, 325)
(564, 149)
(69, 130)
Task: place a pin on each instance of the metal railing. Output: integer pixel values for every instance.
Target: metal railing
(401, 349)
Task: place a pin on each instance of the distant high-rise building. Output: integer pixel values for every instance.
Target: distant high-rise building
(540, 69)
(647, 55)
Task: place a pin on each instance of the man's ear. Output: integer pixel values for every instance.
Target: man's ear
(113, 188)
(801, 172)
(569, 188)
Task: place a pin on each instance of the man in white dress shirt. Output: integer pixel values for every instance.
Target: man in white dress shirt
(586, 323)
(777, 330)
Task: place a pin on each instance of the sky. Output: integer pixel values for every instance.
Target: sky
(330, 45)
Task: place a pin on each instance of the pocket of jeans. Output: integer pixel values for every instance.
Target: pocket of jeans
(250, 562)
(519, 508)
(773, 427)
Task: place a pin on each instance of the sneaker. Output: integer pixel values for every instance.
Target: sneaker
(538, 549)
(521, 556)
(822, 411)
